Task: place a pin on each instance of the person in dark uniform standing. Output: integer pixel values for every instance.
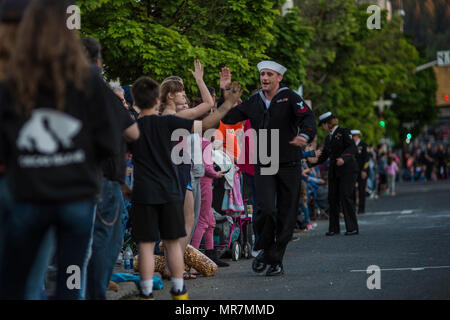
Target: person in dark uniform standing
(282, 112)
(362, 159)
(340, 149)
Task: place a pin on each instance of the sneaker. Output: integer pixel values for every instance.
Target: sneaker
(146, 297)
(311, 226)
(180, 295)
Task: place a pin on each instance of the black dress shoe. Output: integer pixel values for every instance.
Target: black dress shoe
(331, 233)
(258, 264)
(275, 270)
(352, 233)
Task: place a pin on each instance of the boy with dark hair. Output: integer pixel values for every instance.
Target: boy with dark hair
(157, 196)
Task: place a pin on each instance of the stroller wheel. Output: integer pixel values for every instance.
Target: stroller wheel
(236, 251)
(247, 251)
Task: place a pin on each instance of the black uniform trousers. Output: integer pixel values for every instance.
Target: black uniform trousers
(340, 195)
(277, 198)
(361, 194)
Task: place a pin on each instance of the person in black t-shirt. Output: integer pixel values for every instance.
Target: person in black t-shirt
(173, 94)
(157, 197)
(57, 126)
(108, 234)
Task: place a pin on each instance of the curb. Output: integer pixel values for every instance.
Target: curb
(127, 290)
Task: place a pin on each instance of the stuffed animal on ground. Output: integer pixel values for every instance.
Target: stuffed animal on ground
(193, 258)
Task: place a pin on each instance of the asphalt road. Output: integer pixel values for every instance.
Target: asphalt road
(407, 236)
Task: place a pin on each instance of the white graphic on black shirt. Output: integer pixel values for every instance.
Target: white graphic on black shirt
(47, 134)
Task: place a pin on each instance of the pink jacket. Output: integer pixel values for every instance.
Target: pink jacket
(210, 173)
(391, 169)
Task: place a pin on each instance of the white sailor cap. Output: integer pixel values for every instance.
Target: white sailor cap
(356, 132)
(272, 65)
(324, 117)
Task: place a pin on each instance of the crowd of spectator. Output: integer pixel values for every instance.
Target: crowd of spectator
(119, 174)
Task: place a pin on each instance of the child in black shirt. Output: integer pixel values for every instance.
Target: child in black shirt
(157, 197)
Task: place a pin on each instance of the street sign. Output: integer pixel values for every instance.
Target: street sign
(443, 58)
(382, 104)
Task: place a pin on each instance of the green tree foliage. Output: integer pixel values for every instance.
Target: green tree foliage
(415, 106)
(289, 46)
(350, 66)
(326, 46)
(162, 38)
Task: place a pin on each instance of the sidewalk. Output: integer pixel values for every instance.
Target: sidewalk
(127, 289)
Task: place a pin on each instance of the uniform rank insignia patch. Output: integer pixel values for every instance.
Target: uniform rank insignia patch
(301, 107)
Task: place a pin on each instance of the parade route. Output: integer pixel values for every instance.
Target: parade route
(406, 236)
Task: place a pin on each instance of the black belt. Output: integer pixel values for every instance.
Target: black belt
(282, 164)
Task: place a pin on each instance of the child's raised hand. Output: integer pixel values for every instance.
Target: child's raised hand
(234, 93)
(225, 78)
(198, 70)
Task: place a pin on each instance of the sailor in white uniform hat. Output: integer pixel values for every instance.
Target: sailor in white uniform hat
(275, 107)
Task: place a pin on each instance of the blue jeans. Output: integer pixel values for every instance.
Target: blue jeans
(5, 209)
(24, 253)
(107, 240)
(35, 289)
(305, 212)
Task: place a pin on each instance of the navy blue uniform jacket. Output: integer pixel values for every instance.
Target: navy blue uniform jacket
(287, 112)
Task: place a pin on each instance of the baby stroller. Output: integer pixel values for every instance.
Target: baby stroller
(233, 235)
(233, 232)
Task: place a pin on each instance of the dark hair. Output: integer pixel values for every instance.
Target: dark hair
(333, 121)
(390, 160)
(47, 53)
(145, 92)
(11, 11)
(93, 49)
(8, 32)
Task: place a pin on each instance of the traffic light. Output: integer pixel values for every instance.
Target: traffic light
(382, 123)
(409, 136)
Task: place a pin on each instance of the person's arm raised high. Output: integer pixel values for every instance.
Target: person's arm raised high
(232, 96)
(207, 99)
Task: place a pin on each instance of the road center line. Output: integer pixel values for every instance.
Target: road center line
(385, 213)
(403, 269)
